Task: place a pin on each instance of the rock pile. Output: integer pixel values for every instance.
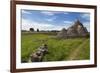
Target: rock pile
(39, 54)
(62, 33)
(76, 30)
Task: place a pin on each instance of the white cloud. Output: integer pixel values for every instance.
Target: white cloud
(87, 25)
(68, 22)
(86, 16)
(52, 13)
(66, 13)
(51, 19)
(26, 24)
(47, 13)
(26, 12)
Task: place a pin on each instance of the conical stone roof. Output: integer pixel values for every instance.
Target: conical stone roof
(77, 29)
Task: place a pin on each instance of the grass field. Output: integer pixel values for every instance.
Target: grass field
(59, 49)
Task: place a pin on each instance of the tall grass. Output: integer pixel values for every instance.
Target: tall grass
(59, 49)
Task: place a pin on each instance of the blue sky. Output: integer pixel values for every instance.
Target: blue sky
(52, 20)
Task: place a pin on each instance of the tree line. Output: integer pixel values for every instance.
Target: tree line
(37, 30)
(32, 30)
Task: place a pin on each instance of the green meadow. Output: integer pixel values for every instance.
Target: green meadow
(59, 49)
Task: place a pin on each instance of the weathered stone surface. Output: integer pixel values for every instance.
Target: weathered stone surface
(62, 33)
(76, 30)
(39, 54)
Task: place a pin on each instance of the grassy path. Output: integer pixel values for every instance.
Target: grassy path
(74, 53)
(59, 49)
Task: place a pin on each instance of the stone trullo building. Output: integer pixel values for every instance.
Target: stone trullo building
(76, 30)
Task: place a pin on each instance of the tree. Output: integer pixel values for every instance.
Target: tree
(37, 30)
(32, 29)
